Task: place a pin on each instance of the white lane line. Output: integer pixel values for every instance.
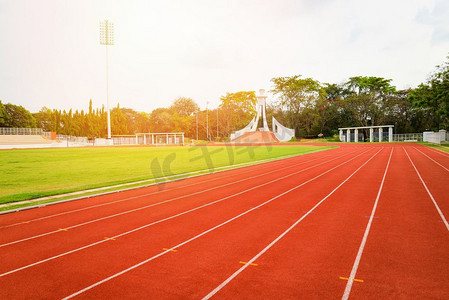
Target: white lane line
(441, 152)
(432, 159)
(365, 235)
(205, 232)
(240, 166)
(168, 218)
(109, 203)
(429, 193)
(252, 260)
(169, 200)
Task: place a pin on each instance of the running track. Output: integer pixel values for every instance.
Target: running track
(359, 222)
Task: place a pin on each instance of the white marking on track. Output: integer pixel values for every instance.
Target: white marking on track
(441, 152)
(432, 159)
(365, 235)
(172, 199)
(131, 198)
(224, 283)
(177, 215)
(429, 193)
(204, 232)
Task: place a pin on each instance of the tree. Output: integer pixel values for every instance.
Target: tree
(403, 115)
(118, 121)
(184, 106)
(43, 119)
(235, 111)
(2, 115)
(134, 121)
(298, 97)
(56, 121)
(432, 98)
(18, 116)
(183, 112)
(330, 109)
(160, 120)
(142, 122)
(368, 99)
(243, 100)
(93, 122)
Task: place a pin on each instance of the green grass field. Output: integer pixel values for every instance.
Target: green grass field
(35, 173)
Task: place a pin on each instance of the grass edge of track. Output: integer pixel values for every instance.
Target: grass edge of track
(78, 195)
(442, 147)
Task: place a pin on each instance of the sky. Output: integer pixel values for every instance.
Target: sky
(50, 53)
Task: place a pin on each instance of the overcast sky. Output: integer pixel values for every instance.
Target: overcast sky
(50, 53)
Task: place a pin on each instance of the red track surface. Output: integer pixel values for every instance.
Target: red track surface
(308, 225)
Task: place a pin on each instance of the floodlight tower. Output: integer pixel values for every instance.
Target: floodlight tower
(207, 121)
(107, 39)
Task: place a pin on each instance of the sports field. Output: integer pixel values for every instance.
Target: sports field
(35, 173)
(362, 221)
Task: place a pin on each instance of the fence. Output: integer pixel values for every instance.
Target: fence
(20, 131)
(165, 138)
(73, 139)
(408, 137)
(149, 139)
(435, 137)
(124, 140)
(161, 138)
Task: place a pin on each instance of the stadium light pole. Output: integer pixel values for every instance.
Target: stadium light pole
(217, 123)
(207, 121)
(107, 39)
(197, 111)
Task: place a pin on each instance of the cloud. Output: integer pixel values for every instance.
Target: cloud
(438, 19)
(203, 49)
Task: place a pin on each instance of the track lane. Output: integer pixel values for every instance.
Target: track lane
(308, 260)
(433, 160)
(67, 241)
(45, 212)
(136, 243)
(429, 193)
(293, 288)
(23, 217)
(435, 179)
(351, 277)
(228, 190)
(230, 229)
(146, 201)
(406, 255)
(442, 161)
(197, 265)
(439, 152)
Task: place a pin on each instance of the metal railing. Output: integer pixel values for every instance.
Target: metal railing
(408, 137)
(124, 140)
(20, 131)
(73, 139)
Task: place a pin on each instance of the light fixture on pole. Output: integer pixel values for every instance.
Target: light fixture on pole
(107, 39)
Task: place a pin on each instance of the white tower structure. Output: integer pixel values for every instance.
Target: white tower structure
(261, 112)
(279, 133)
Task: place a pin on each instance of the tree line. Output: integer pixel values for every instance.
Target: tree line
(305, 104)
